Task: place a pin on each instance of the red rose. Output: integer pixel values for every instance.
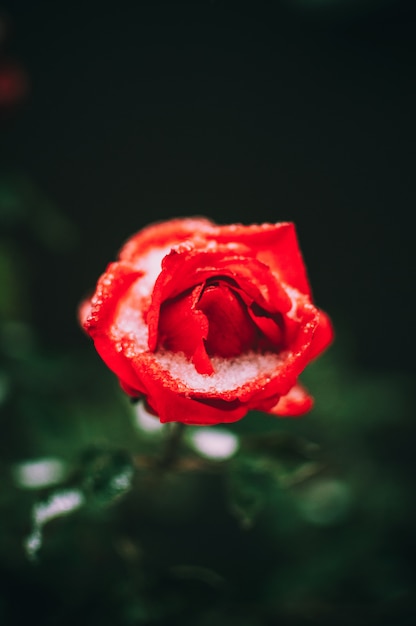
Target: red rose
(206, 322)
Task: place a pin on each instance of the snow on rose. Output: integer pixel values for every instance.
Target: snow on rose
(206, 322)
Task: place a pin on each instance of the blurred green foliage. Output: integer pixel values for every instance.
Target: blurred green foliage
(310, 521)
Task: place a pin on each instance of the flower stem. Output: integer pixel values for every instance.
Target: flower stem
(171, 448)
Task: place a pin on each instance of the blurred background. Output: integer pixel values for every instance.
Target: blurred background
(113, 116)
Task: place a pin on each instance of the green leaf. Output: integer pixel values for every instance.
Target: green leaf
(248, 483)
(266, 463)
(102, 478)
(59, 503)
(105, 477)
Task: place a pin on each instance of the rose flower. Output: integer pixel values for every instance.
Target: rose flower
(206, 322)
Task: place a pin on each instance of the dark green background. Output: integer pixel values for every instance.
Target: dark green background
(289, 110)
(254, 112)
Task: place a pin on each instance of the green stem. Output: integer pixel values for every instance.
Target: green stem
(171, 448)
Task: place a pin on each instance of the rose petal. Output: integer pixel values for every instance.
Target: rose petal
(111, 287)
(323, 336)
(296, 402)
(182, 269)
(165, 235)
(172, 406)
(270, 327)
(276, 245)
(183, 328)
(97, 318)
(185, 267)
(231, 331)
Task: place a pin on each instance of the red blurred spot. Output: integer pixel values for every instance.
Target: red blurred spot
(13, 84)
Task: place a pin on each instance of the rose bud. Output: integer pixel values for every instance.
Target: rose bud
(206, 322)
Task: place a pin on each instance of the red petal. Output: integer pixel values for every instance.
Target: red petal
(293, 362)
(98, 313)
(171, 406)
(276, 245)
(134, 392)
(165, 234)
(119, 363)
(231, 331)
(323, 336)
(296, 402)
(271, 330)
(97, 318)
(202, 361)
(182, 269)
(183, 327)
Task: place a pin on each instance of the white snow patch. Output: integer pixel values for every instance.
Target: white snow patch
(130, 332)
(39, 473)
(146, 421)
(122, 482)
(59, 504)
(229, 374)
(295, 295)
(130, 326)
(214, 443)
(151, 265)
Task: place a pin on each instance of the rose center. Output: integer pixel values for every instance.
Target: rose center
(216, 318)
(231, 330)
